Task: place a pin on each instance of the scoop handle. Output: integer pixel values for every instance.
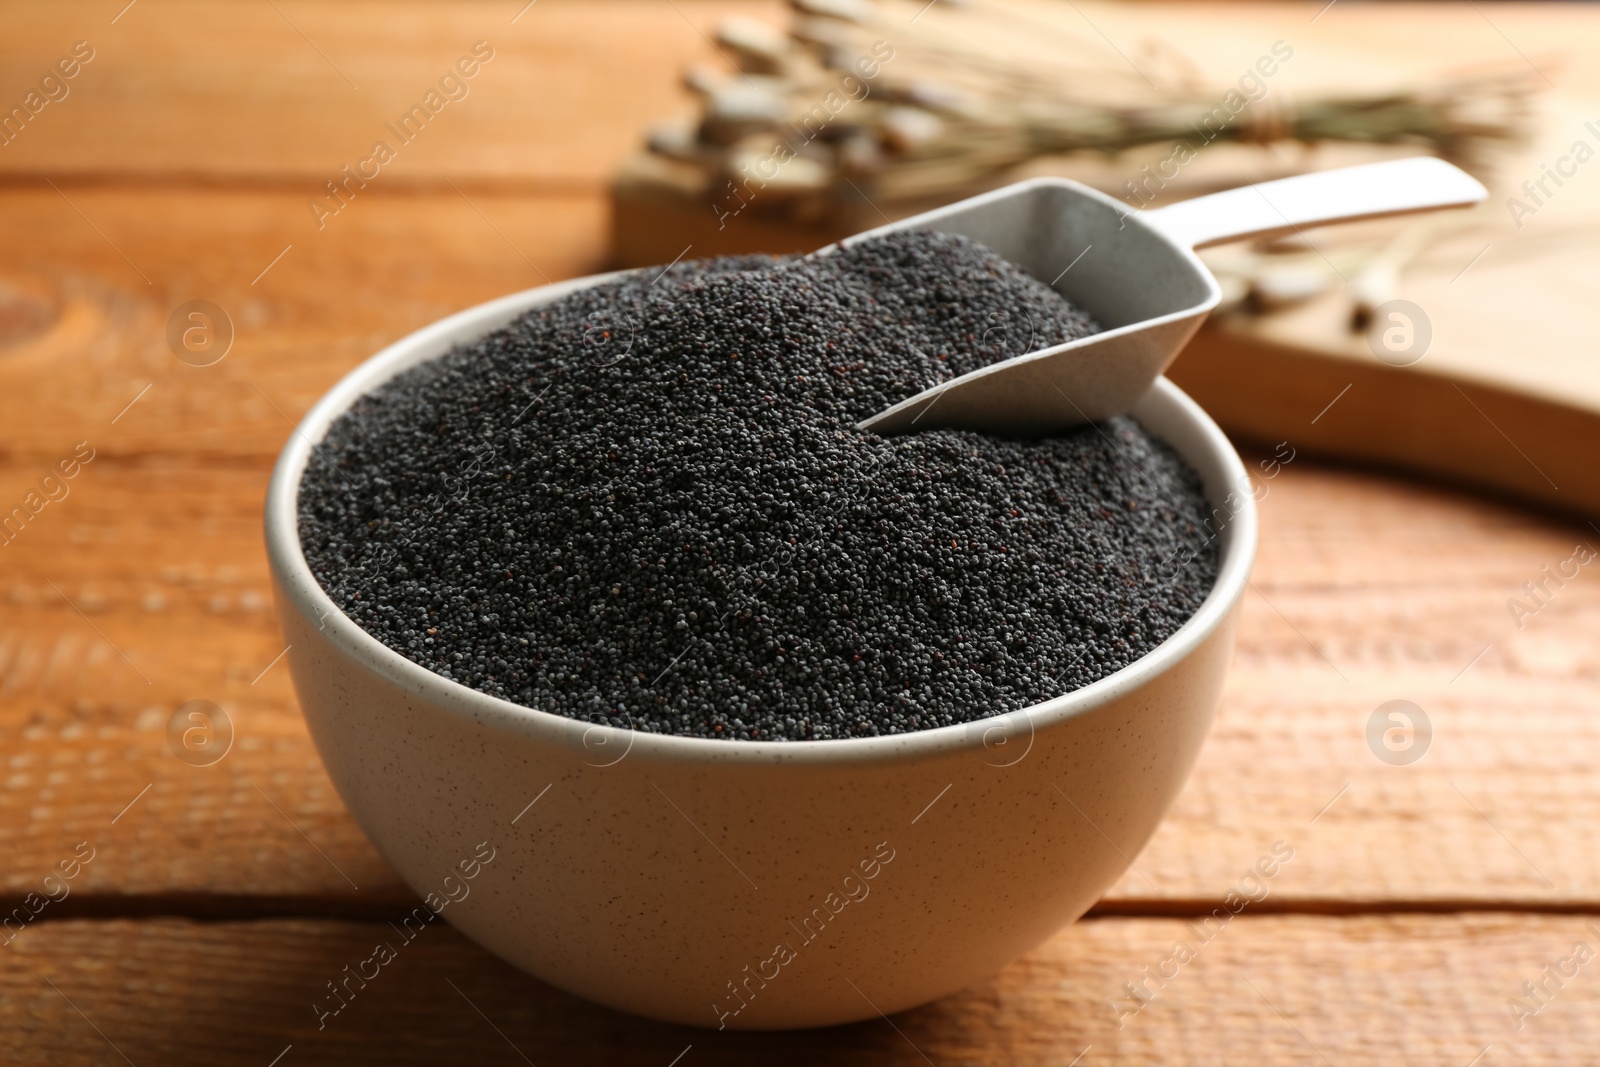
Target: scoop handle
(1288, 205)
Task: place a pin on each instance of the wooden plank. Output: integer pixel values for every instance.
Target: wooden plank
(1358, 600)
(88, 331)
(291, 92)
(1281, 990)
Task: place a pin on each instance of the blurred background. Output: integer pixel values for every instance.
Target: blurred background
(213, 209)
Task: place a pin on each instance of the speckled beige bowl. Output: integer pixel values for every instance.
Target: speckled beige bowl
(751, 884)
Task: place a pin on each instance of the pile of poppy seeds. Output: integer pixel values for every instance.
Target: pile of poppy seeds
(645, 504)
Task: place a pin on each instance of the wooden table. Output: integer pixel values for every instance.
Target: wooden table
(221, 899)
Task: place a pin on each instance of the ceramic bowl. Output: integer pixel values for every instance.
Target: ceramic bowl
(750, 884)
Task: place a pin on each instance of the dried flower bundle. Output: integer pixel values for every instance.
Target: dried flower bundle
(898, 102)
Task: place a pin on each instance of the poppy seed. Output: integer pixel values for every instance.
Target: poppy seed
(646, 504)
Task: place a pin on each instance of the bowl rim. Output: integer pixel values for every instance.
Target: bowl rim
(298, 589)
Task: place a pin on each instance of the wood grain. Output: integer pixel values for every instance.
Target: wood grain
(222, 899)
(1282, 990)
(78, 260)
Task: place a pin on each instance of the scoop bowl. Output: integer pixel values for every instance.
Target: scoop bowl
(1136, 273)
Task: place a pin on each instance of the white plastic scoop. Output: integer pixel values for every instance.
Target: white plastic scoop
(1137, 274)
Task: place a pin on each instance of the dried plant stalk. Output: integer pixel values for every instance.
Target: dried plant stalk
(974, 91)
